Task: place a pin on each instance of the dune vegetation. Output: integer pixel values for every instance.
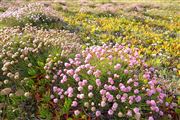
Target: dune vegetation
(89, 60)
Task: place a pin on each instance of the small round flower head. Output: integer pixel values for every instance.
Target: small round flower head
(110, 112)
(103, 104)
(136, 110)
(98, 82)
(136, 91)
(93, 109)
(74, 104)
(52, 96)
(87, 77)
(98, 113)
(86, 104)
(76, 112)
(150, 118)
(90, 95)
(120, 114)
(90, 87)
(27, 94)
(138, 98)
(129, 113)
(117, 66)
(55, 100)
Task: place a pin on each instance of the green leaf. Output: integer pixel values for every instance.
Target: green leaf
(40, 64)
(69, 119)
(31, 72)
(67, 105)
(169, 99)
(30, 83)
(177, 110)
(44, 113)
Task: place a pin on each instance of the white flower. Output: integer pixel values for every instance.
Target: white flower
(120, 114)
(90, 95)
(27, 94)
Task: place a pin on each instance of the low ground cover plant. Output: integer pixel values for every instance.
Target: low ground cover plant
(87, 60)
(111, 82)
(24, 53)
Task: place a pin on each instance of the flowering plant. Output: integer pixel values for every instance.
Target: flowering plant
(109, 82)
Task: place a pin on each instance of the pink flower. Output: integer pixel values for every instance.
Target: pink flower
(161, 113)
(136, 110)
(52, 96)
(126, 71)
(150, 118)
(131, 98)
(110, 57)
(62, 96)
(70, 72)
(156, 109)
(153, 103)
(148, 102)
(54, 89)
(123, 99)
(98, 82)
(111, 81)
(110, 97)
(123, 88)
(102, 92)
(130, 102)
(74, 104)
(70, 90)
(167, 104)
(146, 75)
(84, 82)
(158, 89)
(103, 103)
(59, 72)
(89, 72)
(117, 66)
(80, 88)
(138, 99)
(78, 55)
(71, 61)
(110, 112)
(77, 70)
(55, 100)
(67, 65)
(89, 56)
(75, 76)
(129, 113)
(114, 107)
(97, 73)
(137, 116)
(162, 95)
(129, 81)
(90, 87)
(151, 92)
(136, 84)
(98, 113)
(64, 79)
(136, 91)
(87, 65)
(118, 96)
(76, 112)
(129, 88)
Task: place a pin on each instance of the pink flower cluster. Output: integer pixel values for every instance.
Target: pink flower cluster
(27, 11)
(105, 80)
